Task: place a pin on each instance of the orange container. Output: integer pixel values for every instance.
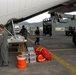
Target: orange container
(21, 62)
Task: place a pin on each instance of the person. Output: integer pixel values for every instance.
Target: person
(3, 46)
(30, 30)
(23, 32)
(37, 33)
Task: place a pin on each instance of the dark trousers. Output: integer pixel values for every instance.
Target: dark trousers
(37, 40)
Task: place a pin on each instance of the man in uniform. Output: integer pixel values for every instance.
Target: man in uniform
(23, 32)
(3, 46)
(37, 33)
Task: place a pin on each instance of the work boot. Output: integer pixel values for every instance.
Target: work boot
(4, 65)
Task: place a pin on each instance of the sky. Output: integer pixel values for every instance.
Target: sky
(40, 17)
(71, 13)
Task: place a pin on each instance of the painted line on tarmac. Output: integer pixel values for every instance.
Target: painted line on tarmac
(30, 40)
(66, 64)
(61, 61)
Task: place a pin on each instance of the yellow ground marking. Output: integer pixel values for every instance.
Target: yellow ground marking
(55, 49)
(63, 62)
(30, 40)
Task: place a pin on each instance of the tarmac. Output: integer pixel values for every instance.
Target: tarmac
(63, 62)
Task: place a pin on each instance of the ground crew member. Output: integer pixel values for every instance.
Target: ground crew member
(3, 46)
(37, 33)
(23, 32)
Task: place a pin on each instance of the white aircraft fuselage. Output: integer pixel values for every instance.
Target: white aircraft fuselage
(23, 8)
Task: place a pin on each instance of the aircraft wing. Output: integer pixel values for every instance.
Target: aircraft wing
(23, 9)
(65, 7)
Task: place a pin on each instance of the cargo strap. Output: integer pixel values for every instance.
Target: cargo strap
(39, 49)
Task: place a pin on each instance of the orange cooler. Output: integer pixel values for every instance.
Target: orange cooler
(21, 62)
